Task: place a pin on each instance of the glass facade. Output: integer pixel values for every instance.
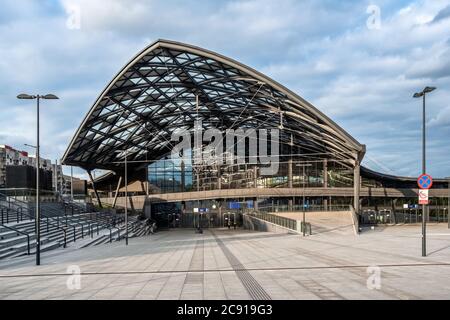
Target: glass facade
(167, 176)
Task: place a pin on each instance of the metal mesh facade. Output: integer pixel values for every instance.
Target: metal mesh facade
(155, 94)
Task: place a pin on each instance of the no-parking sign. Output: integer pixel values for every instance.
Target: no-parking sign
(425, 181)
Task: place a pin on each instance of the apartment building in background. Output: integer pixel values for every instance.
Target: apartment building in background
(12, 157)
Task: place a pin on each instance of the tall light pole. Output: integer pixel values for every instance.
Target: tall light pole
(71, 183)
(38, 209)
(424, 167)
(126, 193)
(304, 182)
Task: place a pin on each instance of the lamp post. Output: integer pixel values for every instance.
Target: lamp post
(71, 183)
(424, 208)
(38, 210)
(126, 193)
(304, 182)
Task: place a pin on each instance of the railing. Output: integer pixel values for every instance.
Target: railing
(299, 208)
(21, 232)
(355, 218)
(105, 219)
(6, 213)
(48, 221)
(306, 226)
(278, 220)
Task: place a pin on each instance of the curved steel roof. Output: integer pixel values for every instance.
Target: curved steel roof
(155, 94)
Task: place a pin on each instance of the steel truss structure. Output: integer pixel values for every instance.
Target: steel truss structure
(155, 94)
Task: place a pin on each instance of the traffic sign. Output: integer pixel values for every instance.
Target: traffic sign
(425, 181)
(423, 196)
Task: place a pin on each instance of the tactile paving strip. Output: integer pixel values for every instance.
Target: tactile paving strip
(252, 286)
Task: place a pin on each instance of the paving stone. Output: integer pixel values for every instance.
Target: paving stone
(180, 264)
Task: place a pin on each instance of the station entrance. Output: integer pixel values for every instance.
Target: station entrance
(176, 215)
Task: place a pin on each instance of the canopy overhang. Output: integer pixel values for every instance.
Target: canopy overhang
(155, 94)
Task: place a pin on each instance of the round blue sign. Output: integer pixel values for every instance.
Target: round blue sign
(425, 181)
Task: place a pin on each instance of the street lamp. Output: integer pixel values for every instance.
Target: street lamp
(38, 210)
(304, 182)
(424, 214)
(126, 193)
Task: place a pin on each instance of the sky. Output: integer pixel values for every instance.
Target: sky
(359, 62)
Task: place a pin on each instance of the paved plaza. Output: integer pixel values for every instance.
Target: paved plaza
(239, 264)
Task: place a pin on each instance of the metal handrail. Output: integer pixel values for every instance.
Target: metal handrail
(21, 232)
(278, 220)
(50, 219)
(48, 222)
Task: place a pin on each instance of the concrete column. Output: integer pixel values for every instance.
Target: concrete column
(255, 204)
(219, 205)
(255, 177)
(325, 173)
(356, 186)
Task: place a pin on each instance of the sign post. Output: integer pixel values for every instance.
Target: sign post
(425, 182)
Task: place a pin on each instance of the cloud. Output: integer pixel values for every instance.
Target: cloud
(442, 15)
(363, 79)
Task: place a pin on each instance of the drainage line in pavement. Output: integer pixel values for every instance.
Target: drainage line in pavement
(226, 270)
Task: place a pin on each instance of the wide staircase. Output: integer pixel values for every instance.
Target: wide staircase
(62, 224)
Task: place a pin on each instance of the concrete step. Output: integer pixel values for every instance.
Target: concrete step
(8, 234)
(47, 246)
(96, 241)
(15, 240)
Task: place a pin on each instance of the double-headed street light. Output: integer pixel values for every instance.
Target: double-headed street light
(424, 168)
(38, 210)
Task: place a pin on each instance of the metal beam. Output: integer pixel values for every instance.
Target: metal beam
(95, 189)
(117, 192)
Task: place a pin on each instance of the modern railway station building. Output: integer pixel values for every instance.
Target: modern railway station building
(171, 89)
